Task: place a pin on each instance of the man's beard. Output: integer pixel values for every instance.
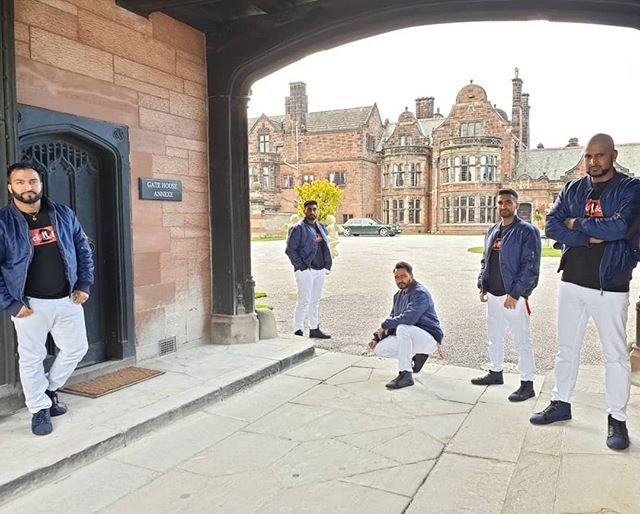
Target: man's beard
(32, 199)
(311, 218)
(595, 173)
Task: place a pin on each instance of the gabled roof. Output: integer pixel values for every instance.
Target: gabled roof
(555, 163)
(426, 127)
(325, 121)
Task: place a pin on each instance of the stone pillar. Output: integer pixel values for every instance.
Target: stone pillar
(233, 317)
(8, 155)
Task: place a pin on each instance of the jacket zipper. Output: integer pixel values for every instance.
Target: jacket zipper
(54, 222)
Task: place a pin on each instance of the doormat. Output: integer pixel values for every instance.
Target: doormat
(111, 382)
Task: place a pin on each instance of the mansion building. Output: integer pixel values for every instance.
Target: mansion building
(426, 172)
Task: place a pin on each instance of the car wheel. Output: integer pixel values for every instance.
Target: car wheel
(383, 232)
(346, 232)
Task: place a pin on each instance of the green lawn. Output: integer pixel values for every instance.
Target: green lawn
(546, 252)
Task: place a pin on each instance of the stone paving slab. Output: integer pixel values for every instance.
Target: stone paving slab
(94, 427)
(328, 437)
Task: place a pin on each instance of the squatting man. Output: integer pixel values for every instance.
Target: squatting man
(412, 331)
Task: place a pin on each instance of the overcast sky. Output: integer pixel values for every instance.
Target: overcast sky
(582, 79)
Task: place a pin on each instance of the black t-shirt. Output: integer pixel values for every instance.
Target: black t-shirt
(46, 277)
(581, 264)
(318, 259)
(496, 283)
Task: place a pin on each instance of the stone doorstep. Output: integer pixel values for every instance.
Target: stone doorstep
(95, 450)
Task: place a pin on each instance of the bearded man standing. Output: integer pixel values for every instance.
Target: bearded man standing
(46, 270)
(308, 251)
(593, 219)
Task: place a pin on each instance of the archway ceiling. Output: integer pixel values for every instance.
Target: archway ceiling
(247, 39)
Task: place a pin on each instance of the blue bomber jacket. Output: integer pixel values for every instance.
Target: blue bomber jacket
(520, 250)
(302, 245)
(16, 252)
(414, 306)
(618, 228)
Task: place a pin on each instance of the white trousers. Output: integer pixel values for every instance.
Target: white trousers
(609, 312)
(499, 320)
(310, 283)
(65, 321)
(407, 341)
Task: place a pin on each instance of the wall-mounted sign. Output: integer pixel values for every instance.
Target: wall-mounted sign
(160, 189)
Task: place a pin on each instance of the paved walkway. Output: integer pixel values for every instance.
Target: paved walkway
(361, 287)
(327, 437)
(92, 428)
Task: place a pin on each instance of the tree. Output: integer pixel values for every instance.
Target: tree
(327, 195)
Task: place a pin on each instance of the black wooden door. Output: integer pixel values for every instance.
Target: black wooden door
(71, 175)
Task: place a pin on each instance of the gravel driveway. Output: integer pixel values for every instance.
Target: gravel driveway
(360, 288)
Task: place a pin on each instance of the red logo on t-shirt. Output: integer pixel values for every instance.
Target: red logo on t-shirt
(43, 236)
(593, 209)
(497, 244)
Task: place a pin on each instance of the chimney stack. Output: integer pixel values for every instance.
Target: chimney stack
(424, 107)
(296, 104)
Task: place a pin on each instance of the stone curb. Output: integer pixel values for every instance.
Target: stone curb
(34, 479)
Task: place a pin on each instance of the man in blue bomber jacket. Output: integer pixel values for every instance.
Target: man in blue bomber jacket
(510, 268)
(592, 218)
(46, 270)
(308, 251)
(412, 331)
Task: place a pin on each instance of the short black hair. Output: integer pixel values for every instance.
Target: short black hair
(507, 191)
(21, 166)
(403, 265)
(310, 202)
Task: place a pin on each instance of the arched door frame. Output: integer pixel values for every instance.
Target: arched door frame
(253, 48)
(113, 141)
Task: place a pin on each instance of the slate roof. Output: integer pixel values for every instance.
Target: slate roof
(557, 162)
(325, 121)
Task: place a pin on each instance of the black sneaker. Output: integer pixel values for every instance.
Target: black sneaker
(404, 379)
(298, 333)
(617, 434)
(556, 411)
(316, 333)
(56, 409)
(491, 378)
(41, 422)
(524, 392)
(418, 361)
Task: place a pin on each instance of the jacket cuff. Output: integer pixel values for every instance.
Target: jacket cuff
(577, 224)
(82, 286)
(14, 308)
(515, 296)
(387, 323)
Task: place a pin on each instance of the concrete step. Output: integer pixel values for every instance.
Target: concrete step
(93, 428)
